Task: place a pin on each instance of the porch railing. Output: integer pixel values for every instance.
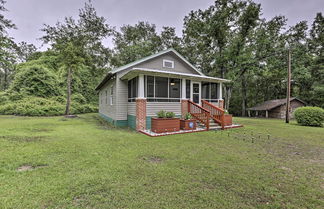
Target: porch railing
(216, 113)
(199, 113)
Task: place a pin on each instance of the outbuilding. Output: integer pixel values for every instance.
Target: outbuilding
(275, 108)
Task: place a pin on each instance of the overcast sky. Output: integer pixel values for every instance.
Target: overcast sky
(30, 15)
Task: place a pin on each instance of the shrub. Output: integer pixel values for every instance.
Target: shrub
(170, 114)
(188, 116)
(78, 98)
(37, 81)
(309, 116)
(161, 114)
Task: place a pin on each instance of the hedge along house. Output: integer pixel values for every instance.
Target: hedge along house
(132, 94)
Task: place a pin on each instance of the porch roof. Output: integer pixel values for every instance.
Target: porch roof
(154, 72)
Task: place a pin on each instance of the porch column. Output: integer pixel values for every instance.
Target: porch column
(140, 88)
(183, 89)
(220, 91)
(140, 105)
(267, 114)
(220, 96)
(184, 100)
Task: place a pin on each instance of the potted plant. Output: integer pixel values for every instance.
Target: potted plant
(165, 122)
(188, 123)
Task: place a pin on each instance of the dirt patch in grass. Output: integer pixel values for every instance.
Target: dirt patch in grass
(30, 167)
(153, 159)
(23, 138)
(41, 130)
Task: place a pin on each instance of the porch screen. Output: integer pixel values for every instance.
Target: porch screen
(162, 89)
(132, 90)
(209, 91)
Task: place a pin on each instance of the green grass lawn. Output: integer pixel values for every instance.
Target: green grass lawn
(85, 163)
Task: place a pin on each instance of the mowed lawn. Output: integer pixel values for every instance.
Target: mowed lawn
(84, 163)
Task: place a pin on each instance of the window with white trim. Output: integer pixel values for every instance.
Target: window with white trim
(112, 95)
(168, 64)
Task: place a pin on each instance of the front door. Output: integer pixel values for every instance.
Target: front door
(195, 97)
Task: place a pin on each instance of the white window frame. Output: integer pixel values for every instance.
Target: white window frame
(172, 62)
(111, 94)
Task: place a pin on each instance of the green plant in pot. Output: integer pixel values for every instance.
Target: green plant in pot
(170, 115)
(188, 116)
(161, 114)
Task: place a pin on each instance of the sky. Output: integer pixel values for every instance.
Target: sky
(30, 15)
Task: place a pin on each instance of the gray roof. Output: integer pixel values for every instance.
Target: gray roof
(270, 104)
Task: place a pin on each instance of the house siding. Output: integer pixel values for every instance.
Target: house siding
(153, 107)
(131, 108)
(157, 63)
(122, 98)
(104, 102)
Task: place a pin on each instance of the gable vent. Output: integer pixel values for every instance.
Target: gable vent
(168, 64)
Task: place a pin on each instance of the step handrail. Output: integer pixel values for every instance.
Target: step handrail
(217, 113)
(199, 112)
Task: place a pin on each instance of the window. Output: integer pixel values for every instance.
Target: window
(132, 89)
(209, 91)
(162, 89)
(106, 96)
(168, 64)
(112, 95)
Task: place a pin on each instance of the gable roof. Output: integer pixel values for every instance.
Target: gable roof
(153, 56)
(270, 104)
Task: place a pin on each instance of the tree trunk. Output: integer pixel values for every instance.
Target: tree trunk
(68, 92)
(244, 96)
(228, 94)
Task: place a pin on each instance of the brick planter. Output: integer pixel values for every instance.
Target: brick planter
(163, 125)
(228, 120)
(188, 124)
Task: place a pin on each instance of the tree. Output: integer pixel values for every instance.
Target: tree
(7, 46)
(218, 40)
(141, 40)
(72, 61)
(81, 41)
(315, 44)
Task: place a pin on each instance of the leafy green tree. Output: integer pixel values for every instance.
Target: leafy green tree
(86, 35)
(316, 50)
(140, 40)
(36, 81)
